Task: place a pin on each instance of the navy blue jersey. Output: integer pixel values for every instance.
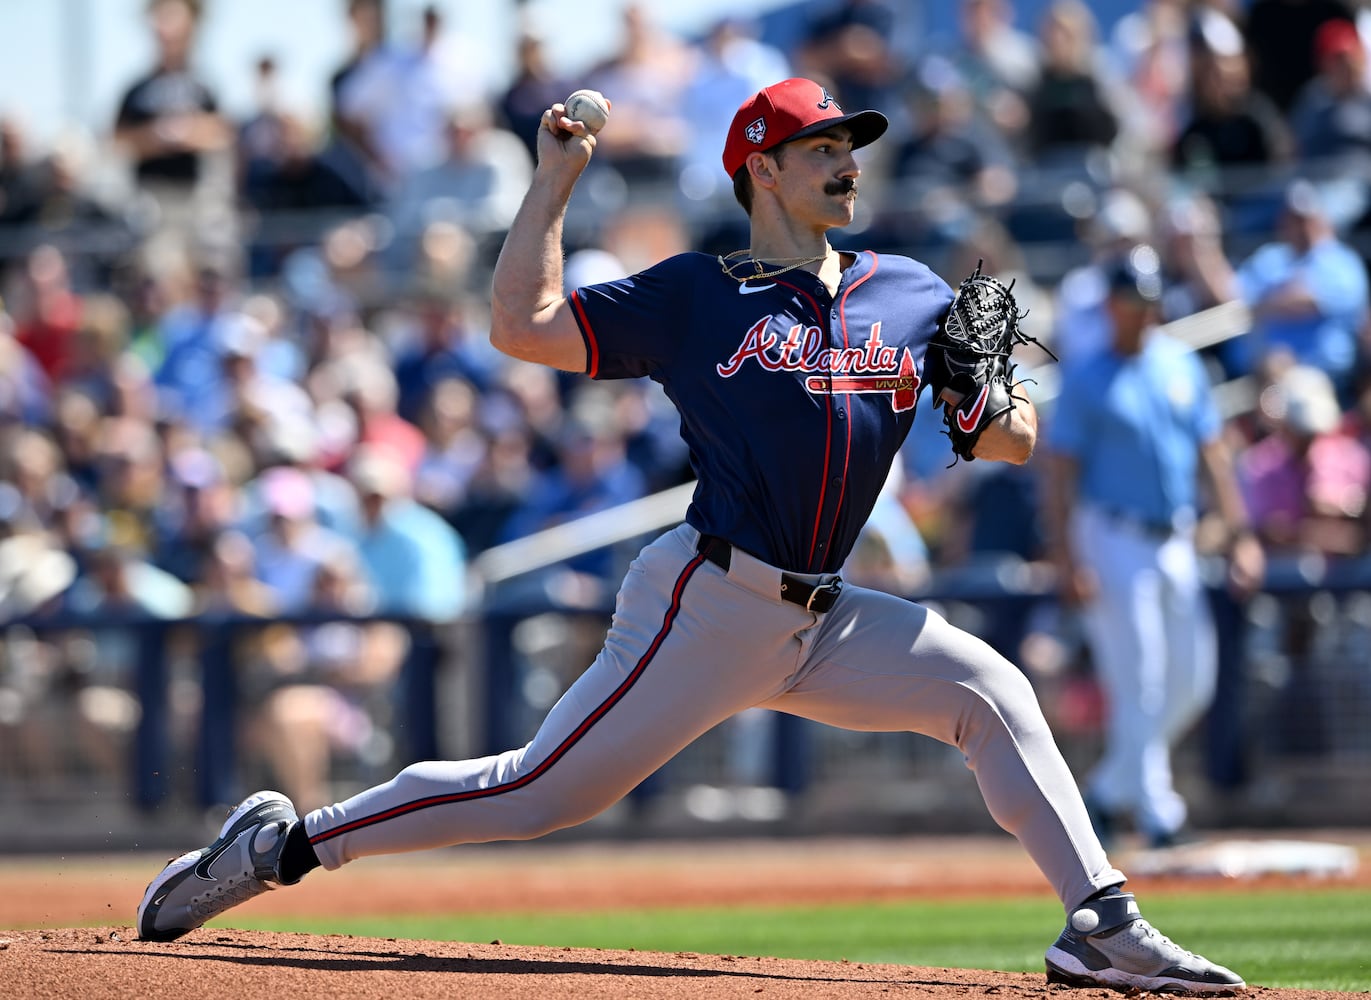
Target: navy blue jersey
(794, 403)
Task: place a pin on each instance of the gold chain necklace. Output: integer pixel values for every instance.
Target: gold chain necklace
(731, 269)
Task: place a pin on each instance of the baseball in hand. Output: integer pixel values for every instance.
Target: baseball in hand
(590, 108)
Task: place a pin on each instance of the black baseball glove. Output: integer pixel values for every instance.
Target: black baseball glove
(970, 356)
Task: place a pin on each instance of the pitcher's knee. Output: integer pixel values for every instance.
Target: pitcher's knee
(1003, 701)
(536, 815)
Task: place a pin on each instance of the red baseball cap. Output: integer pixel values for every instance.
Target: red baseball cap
(1334, 38)
(789, 110)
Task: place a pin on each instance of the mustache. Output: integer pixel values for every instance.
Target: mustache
(845, 185)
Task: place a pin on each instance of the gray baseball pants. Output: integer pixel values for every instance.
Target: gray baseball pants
(689, 646)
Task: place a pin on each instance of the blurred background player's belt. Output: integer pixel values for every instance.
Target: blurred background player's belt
(1139, 523)
(817, 597)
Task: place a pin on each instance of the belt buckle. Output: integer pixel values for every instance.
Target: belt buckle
(828, 592)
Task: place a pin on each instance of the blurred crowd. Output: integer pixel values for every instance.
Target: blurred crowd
(255, 380)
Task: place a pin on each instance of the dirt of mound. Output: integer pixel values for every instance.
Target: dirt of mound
(108, 961)
(226, 965)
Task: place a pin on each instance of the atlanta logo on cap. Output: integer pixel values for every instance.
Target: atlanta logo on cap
(756, 132)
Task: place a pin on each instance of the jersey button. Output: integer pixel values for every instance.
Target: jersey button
(842, 414)
(837, 481)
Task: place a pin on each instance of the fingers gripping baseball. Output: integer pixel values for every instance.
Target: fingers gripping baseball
(568, 129)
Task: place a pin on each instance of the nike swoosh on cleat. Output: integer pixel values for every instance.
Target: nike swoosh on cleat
(202, 867)
(750, 289)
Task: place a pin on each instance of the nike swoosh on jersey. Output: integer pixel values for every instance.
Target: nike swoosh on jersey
(749, 289)
(968, 421)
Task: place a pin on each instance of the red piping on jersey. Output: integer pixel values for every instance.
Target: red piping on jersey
(587, 334)
(828, 430)
(562, 749)
(847, 456)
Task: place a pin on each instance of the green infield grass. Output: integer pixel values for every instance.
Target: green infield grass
(1310, 939)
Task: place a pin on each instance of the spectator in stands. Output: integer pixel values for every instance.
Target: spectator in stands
(396, 101)
(534, 89)
(115, 580)
(47, 311)
(246, 391)
(299, 446)
(24, 389)
(67, 216)
(19, 181)
(1280, 35)
(193, 515)
(456, 446)
(293, 546)
(732, 64)
(226, 583)
(476, 184)
(953, 162)
(169, 121)
(1150, 46)
(98, 349)
(295, 178)
(591, 474)
(652, 433)
(76, 425)
(646, 79)
(848, 44)
(415, 561)
(1072, 110)
(323, 693)
(1081, 324)
(999, 63)
(446, 342)
(1191, 237)
(132, 478)
(1306, 484)
(191, 368)
(349, 150)
(260, 135)
(291, 177)
(31, 468)
(890, 553)
(1332, 119)
(1231, 123)
(497, 488)
(1307, 290)
(372, 395)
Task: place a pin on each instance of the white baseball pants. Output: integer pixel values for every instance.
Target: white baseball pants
(1153, 645)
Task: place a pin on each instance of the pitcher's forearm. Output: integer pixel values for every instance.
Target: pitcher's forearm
(529, 318)
(528, 273)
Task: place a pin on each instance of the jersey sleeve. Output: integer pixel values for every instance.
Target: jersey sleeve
(632, 326)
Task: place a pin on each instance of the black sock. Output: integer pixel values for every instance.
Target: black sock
(1109, 890)
(297, 856)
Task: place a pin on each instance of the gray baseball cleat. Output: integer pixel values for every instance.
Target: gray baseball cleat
(199, 886)
(1108, 943)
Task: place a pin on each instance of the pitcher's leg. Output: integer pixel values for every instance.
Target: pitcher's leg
(884, 664)
(685, 652)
